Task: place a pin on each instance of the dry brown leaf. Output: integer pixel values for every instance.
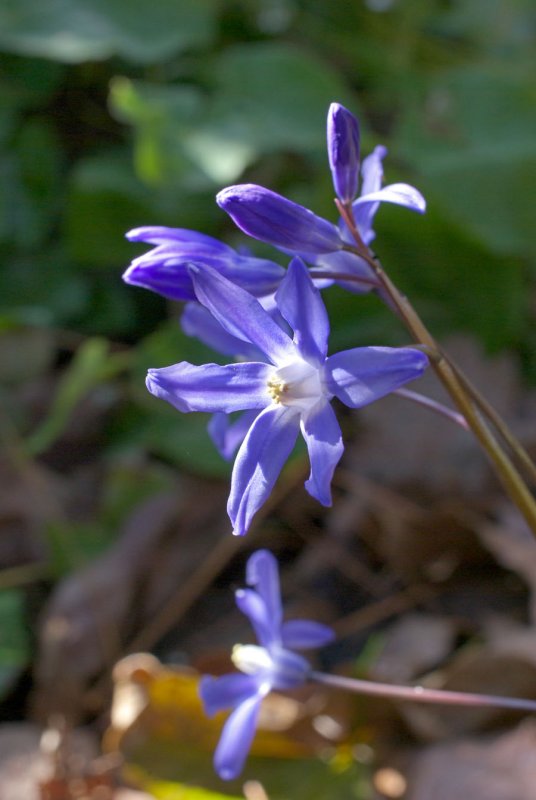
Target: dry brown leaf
(501, 768)
(504, 664)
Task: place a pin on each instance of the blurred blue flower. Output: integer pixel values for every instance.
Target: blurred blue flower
(269, 665)
(164, 269)
(290, 389)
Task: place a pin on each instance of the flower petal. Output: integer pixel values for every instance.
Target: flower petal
(323, 437)
(197, 321)
(237, 736)
(228, 435)
(360, 376)
(211, 387)
(241, 314)
(400, 193)
(164, 268)
(346, 264)
(262, 573)
(343, 151)
(159, 234)
(253, 606)
(161, 275)
(372, 177)
(301, 305)
(304, 633)
(259, 462)
(271, 218)
(226, 691)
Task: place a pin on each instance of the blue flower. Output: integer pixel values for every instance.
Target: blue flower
(269, 665)
(271, 218)
(290, 389)
(164, 269)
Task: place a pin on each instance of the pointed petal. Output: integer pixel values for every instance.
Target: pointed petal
(323, 437)
(256, 275)
(236, 738)
(400, 193)
(241, 314)
(360, 376)
(259, 462)
(271, 218)
(262, 573)
(301, 305)
(372, 170)
(197, 321)
(226, 691)
(172, 282)
(159, 234)
(228, 435)
(372, 177)
(211, 387)
(253, 606)
(301, 634)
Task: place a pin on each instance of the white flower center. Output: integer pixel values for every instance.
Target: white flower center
(297, 384)
(250, 658)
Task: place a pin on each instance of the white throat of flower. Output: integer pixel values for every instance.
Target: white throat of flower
(251, 658)
(298, 384)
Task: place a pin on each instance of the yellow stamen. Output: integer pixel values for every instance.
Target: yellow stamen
(276, 389)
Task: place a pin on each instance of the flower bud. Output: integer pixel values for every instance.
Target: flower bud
(343, 151)
(271, 218)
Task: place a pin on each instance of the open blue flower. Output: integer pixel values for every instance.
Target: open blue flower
(269, 665)
(164, 269)
(291, 389)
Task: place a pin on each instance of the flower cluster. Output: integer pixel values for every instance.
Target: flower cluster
(276, 323)
(271, 664)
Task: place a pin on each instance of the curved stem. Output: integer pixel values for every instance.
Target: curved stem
(506, 470)
(502, 428)
(433, 405)
(419, 694)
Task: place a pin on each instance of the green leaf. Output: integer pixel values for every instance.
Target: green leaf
(164, 118)
(272, 96)
(266, 98)
(474, 145)
(73, 31)
(14, 640)
(91, 365)
(166, 790)
(455, 281)
(104, 201)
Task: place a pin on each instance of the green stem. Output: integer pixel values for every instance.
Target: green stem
(512, 480)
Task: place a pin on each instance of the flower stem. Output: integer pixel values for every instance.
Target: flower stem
(511, 478)
(433, 405)
(419, 694)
